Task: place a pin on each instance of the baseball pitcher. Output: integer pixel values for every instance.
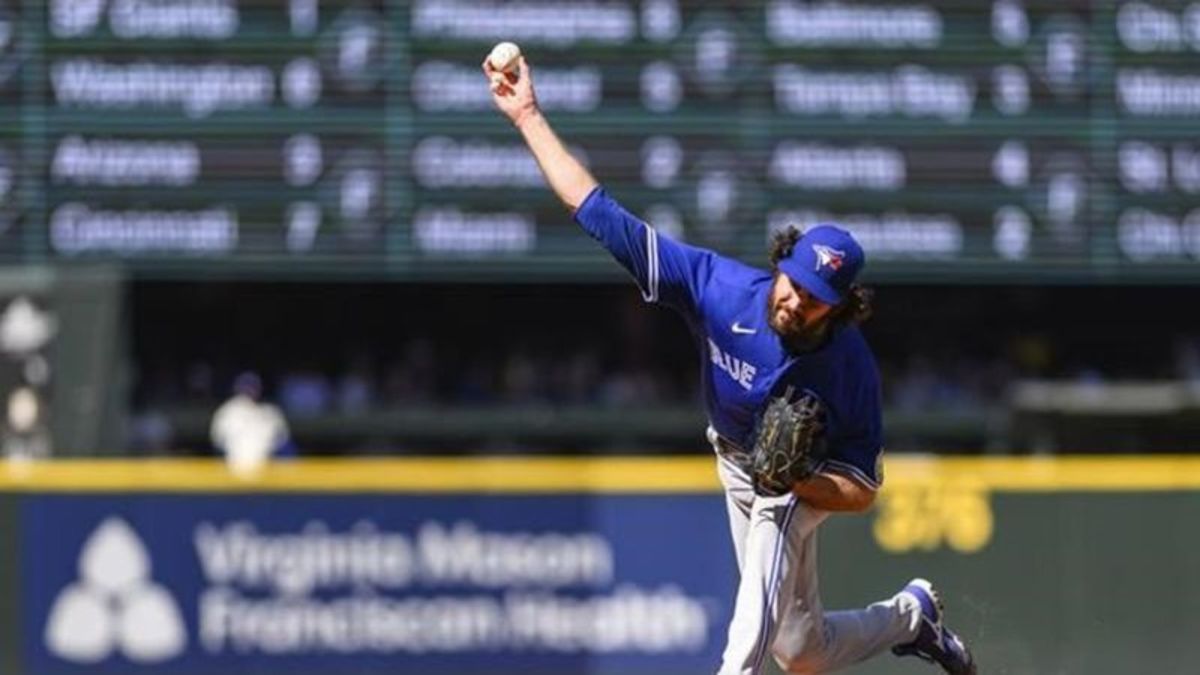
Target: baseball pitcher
(793, 400)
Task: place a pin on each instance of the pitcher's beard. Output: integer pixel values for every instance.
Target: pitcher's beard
(796, 335)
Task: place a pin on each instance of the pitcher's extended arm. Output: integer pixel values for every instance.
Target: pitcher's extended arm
(514, 96)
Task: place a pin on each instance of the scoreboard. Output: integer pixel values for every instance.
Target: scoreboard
(959, 140)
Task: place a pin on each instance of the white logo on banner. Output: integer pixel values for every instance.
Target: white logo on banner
(115, 605)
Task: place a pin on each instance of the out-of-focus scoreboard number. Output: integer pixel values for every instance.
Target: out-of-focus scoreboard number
(214, 132)
(1155, 168)
(956, 139)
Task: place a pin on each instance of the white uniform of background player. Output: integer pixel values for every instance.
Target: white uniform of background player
(247, 430)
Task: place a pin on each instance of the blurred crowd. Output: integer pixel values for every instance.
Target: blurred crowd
(421, 373)
(600, 347)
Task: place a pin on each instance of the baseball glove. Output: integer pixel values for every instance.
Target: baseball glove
(785, 443)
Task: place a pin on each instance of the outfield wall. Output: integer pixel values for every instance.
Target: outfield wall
(556, 565)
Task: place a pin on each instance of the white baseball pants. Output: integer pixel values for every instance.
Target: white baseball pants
(778, 610)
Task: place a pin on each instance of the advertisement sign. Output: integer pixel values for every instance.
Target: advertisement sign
(375, 583)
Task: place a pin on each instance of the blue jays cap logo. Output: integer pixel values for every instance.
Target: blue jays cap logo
(828, 256)
(825, 262)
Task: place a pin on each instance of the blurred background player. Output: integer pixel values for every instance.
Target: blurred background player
(247, 430)
(761, 332)
(26, 333)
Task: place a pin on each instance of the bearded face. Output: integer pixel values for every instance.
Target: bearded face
(794, 313)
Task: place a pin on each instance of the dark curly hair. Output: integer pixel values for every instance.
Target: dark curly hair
(854, 308)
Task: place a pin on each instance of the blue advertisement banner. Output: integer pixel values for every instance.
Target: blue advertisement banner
(383, 583)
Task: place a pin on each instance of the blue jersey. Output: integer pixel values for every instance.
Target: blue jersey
(743, 359)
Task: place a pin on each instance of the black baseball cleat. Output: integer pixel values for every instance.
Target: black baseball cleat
(935, 642)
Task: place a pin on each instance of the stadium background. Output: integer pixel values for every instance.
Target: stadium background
(319, 191)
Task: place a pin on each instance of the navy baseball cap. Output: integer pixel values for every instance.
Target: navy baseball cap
(825, 261)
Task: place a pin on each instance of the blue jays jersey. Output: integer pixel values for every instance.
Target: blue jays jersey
(743, 359)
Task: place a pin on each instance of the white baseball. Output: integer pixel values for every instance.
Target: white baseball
(504, 57)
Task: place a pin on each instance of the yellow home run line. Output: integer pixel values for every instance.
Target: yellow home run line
(1049, 474)
(410, 474)
(581, 474)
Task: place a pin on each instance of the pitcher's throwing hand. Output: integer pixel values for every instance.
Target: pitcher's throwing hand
(512, 91)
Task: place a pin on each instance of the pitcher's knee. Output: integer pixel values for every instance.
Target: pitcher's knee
(807, 660)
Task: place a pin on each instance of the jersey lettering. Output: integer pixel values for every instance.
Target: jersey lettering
(743, 373)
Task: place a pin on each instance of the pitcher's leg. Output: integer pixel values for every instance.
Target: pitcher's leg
(739, 496)
(803, 636)
(811, 643)
(857, 635)
(778, 609)
(771, 573)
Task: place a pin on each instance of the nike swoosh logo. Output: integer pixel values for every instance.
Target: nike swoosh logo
(741, 330)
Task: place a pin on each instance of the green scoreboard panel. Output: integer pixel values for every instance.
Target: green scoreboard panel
(960, 140)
